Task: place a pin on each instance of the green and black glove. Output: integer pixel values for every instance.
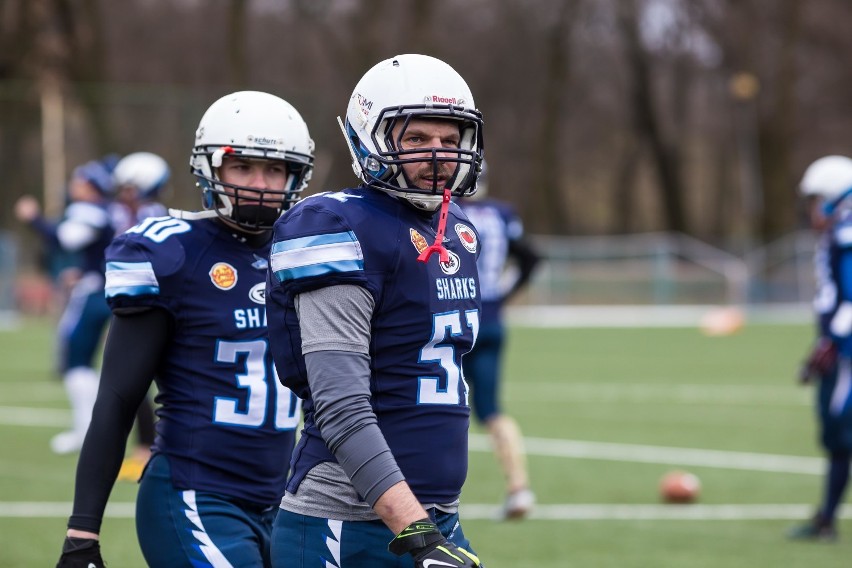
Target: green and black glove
(429, 548)
(81, 553)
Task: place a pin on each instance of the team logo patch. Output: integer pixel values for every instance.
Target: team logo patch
(467, 237)
(257, 294)
(452, 265)
(418, 240)
(223, 275)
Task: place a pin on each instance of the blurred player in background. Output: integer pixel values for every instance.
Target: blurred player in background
(188, 294)
(85, 229)
(369, 327)
(139, 179)
(826, 186)
(506, 264)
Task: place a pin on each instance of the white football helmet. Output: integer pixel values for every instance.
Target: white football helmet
(829, 177)
(400, 89)
(256, 126)
(147, 172)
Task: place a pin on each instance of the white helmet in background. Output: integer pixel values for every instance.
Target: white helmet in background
(255, 126)
(397, 90)
(147, 172)
(829, 177)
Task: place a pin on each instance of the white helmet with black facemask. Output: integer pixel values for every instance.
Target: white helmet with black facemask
(397, 91)
(250, 125)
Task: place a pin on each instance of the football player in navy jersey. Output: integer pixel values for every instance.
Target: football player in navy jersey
(85, 230)
(827, 185)
(505, 265)
(373, 301)
(188, 294)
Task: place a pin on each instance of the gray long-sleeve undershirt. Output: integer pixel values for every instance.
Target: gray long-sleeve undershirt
(335, 328)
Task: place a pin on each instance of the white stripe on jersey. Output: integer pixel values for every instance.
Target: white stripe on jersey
(132, 278)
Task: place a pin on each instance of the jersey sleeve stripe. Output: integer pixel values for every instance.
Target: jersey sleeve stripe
(316, 255)
(131, 279)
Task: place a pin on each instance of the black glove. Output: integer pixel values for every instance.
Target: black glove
(81, 553)
(424, 542)
(820, 362)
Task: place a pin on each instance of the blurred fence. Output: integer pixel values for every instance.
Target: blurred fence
(673, 278)
(668, 270)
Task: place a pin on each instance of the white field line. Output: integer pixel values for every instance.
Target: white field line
(22, 416)
(662, 454)
(477, 511)
(547, 447)
(32, 391)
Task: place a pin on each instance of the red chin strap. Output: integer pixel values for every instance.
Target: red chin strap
(438, 245)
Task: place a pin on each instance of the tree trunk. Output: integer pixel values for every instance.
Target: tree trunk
(665, 155)
(548, 193)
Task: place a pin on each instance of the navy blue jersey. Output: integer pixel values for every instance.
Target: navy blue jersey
(426, 317)
(225, 421)
(833, 268)
(96, 218)
(498, 225)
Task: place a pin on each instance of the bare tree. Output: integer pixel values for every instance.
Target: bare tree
(665, 154)
(547, 191)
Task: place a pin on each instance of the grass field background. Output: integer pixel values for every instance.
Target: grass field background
(605, 412)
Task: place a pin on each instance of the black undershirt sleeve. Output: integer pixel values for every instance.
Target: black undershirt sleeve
(527, 259)
(134, 347)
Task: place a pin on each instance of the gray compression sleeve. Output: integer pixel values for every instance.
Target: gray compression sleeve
(341, 393)
(335, 324)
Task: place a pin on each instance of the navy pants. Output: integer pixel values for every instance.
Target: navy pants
(193, 529)
(300, 541)
(82, 324)
(482, 371)
(834, 405)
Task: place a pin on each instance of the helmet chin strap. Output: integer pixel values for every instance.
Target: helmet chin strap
(438, 245)
(225, 210)
(192, 215)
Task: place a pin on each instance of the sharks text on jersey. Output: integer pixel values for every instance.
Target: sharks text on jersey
(250, 318)
(455, 288)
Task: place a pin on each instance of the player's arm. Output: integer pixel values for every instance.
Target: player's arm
(132, 352)
(335, 327)
(526, 258)
(81, 226)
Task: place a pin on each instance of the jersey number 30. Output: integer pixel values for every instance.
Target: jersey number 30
(251, 412)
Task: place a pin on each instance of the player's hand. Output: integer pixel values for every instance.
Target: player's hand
(80, 553)
(27, 209)
(425, 543)
(821, 361)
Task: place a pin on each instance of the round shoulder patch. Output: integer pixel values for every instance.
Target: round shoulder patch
(223, 275)
(466, 236)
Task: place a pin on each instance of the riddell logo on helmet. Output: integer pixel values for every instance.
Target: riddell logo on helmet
(445, 100)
